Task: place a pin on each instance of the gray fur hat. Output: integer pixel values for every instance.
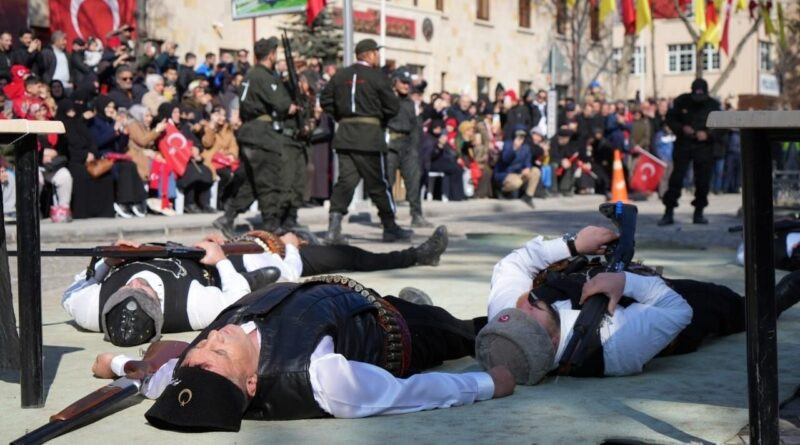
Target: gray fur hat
(515, 340)
(145, 304)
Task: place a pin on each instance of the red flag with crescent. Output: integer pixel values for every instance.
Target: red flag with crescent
(647, 173)
(175, 148)
(85, 18)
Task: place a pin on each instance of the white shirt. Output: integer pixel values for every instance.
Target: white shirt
(351, 389)
(62, 67)
(630, 338)
(82, 298)
(291, 266)
(541, 126)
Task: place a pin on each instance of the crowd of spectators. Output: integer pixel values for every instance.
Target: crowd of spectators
(119, 109)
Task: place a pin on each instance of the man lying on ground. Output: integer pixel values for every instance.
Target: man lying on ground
(328, 347)
(134, 301)
(532, 317)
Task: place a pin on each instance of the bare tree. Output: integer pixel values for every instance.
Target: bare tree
(787, 67)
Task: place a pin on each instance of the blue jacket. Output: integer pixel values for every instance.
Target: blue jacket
(511, 161)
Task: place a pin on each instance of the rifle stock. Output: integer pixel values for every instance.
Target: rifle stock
(148, 251)
(104, 400)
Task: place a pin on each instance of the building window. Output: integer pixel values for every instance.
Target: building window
(483, 10)
(594, 22)
(561, 17)
(680, 58)
(440, 5)
(417, 70)
(638, 61)
(524, 85)
(710, 58)
(524, 13)
(483, 85)
(765, 56)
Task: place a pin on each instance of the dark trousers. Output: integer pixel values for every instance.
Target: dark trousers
(355, 165)
(436, 335)
(224, 188)
(294, 174)
(326, 259)
(128, 185)
(406, 158)
(262, 170)
(716, 311)
(453, 183)
(702, 165)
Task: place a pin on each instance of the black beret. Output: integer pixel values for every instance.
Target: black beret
(367, 45)
(197, 400)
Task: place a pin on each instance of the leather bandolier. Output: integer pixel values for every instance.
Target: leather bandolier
(564, 281)
(177, 276)
(292, 319)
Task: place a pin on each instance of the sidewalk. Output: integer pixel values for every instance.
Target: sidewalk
(551, 217)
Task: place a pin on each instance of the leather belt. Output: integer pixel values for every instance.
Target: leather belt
(264, 118)
(360, 120)
(396, 336)
(398, 135)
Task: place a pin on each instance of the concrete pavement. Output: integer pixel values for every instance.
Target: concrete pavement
(699, 397)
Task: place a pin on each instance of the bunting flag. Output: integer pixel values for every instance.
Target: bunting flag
(628, 17)
(741, 5)
(606, 8)
(313, 8)
(643, 15)
(713, 32)
(781, 29)
(700, 14)
(724, 40)
(769, 27)
(571, 3)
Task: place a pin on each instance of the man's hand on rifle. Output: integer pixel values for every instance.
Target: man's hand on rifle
(291, 238)
(293, 109)
(121, 243)
(101, 368)
(214, 253)
(610, 284)
(593, 240)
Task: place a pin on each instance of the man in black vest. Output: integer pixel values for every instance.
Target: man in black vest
(649, 315)
(134, 301)
(328, 347)
(361, 100)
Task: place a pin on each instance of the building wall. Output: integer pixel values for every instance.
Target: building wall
(743, 80)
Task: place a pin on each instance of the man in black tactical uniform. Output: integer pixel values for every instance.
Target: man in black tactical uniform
(404, 146)
(265, 108)
(695, 144)
(361, 99)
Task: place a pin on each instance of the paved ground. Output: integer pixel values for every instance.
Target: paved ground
(482, 231)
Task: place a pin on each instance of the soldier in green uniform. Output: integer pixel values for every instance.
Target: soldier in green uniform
(265, 105)
(404, 146)
(361, 99)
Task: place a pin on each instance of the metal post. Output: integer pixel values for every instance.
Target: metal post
(348, 32)
(29, 273)
(762, 348)
(383, 32)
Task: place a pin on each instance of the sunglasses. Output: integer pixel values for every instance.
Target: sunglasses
(126, 79)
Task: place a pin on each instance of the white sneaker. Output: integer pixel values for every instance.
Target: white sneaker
(138, 210)
(121, 212)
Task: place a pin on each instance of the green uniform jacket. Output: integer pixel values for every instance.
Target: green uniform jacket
(262, 93)
(359, 91)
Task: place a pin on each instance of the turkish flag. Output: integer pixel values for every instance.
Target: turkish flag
(629, 17)
(85, 18)
(175, 148)
(313, 8)
(647, 173)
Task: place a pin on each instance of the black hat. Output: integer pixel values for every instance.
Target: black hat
(264, 47)
(197, 400)
(565, 132)
(403, 74)
(700, 84)
(78, 41)
(367, 45)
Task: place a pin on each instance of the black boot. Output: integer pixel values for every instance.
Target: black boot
(262, 277)
(528, 200)
(334, 235)
(428, 253)
(787, 292)
(417, 220)
(225, 223)
(392, 232)
(667, 219)
(698, 217)
(290, 223)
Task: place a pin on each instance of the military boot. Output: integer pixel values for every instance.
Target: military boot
(667, 219)
(698, 217)
(392, 232)
(334, 235)
(787, 292)
(428, 253)
(417, 220)
(225, 223)
(263, 277)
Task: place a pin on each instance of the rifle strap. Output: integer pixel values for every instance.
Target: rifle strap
(90, 268)
(580, 357)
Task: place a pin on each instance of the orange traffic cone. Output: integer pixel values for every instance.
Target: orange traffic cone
(619, 191)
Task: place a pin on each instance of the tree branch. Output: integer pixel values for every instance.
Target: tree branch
(734, 56)
(689, 27)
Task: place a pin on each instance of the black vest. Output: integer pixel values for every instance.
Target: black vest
(292, 319)
(176, 274)
(568, 286)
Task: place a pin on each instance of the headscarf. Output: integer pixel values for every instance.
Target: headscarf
(164, 112)
(137, 112)
(100, 104)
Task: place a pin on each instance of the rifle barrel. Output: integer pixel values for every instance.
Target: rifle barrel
(147, 251)
(53, 429)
